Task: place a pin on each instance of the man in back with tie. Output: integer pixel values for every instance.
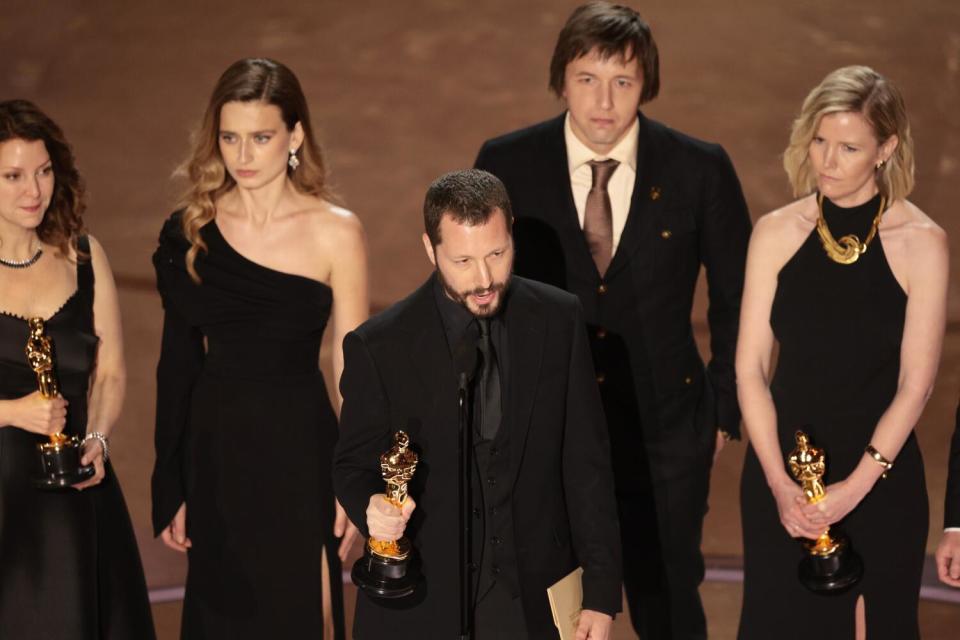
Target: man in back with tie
(623, 212)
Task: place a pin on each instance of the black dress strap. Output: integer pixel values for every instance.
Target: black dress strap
(85, 267)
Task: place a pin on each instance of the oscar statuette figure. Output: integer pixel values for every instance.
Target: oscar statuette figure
(830, 565)
(391, 568)
(60, 456)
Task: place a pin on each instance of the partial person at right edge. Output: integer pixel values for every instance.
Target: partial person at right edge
(859, 333)
(948, 551)
(624, 212)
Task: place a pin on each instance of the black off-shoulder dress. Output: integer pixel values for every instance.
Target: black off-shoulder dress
(245, 434)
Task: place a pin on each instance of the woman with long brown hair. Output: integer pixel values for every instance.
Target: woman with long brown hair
(250, 270)
(69, 566)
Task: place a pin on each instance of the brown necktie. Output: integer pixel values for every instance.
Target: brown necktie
(598, 215)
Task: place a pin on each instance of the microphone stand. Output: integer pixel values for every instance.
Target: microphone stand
(466, 613)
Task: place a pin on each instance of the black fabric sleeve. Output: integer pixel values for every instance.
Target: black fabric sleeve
(951, 511)
(364, 432)
(484, 159)
(181, 360)
(723, 246)
(588, 480)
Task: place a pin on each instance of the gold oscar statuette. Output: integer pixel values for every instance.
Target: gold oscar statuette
(390, 568)
(60, 456)
(396, 466)
(829, 565)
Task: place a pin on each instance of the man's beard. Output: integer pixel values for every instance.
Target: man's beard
(482, 310)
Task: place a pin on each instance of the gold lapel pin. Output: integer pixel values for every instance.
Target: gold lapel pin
(654, 193)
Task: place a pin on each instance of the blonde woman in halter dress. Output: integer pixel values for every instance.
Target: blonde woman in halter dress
(249, 271)
(859, 323)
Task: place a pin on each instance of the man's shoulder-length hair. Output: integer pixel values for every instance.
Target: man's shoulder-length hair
(611, 30)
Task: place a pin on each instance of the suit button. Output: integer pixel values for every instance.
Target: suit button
(601, 378)
(491, 481)
(602, 289)
(494, 451)
(494, 511)
(601, 333)
(476, 511)
(495, 570)
(688, 380)
(666, 234)
(495, 541)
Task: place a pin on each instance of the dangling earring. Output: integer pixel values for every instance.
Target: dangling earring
(293, 161)
(880, 164)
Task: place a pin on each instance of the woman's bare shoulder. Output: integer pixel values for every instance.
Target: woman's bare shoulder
(911, 217)
(334, 223)
(781, 225)
(332, 230)
(915, 231)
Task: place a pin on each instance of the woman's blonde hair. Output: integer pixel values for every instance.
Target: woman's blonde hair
(247, 80)
(862, 90)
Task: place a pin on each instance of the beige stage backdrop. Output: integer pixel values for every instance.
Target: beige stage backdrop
(403, 90)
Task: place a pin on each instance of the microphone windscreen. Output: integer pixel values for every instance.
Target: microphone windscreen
(465, 359)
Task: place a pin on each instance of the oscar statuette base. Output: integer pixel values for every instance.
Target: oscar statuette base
(60, 465)
(383, 577)
(834, 573)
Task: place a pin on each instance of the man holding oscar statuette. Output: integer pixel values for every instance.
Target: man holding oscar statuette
(541, 487)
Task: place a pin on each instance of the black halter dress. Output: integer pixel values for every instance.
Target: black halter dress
(839, 328)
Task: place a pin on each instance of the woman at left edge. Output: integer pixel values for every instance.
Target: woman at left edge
(69, 565)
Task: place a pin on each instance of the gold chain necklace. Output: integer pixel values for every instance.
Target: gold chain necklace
(849, 248)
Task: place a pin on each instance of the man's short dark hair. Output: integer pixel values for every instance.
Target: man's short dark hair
(469, 197)
(613, 30)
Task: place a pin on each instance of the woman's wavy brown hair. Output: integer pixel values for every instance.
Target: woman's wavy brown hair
(62, 222)
(247, 80)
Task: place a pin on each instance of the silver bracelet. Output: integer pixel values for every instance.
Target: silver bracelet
(102, 439)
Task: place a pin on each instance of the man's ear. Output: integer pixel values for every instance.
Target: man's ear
(428, 247)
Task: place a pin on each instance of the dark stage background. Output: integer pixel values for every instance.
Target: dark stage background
(403, 91)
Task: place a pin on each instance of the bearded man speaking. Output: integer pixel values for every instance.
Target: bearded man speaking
(542, 490)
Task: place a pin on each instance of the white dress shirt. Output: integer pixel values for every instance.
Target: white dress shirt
(620, 187)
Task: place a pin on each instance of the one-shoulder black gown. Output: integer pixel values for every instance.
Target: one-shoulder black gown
(839, 328)
(69, 565)
(245, 435)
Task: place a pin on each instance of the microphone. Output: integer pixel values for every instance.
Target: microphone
(465, 358)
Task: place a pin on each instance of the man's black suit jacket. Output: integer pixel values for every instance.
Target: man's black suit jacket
(399, 374)
(687, 210)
